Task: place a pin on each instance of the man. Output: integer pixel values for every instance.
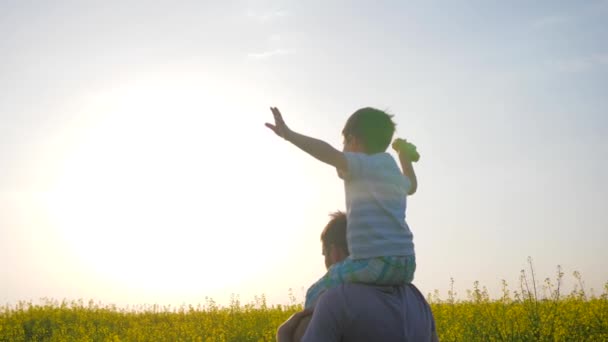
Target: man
(357, 312)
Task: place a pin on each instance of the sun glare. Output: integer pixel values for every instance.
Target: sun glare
(143, 195)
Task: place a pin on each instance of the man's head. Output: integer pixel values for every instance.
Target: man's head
(333, 239)
(368, 130)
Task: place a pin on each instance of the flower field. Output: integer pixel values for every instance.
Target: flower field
(534, 312)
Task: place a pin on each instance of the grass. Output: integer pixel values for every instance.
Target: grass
(533, 312)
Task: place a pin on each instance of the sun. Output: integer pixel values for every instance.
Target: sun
(169, 188)
(144, 192)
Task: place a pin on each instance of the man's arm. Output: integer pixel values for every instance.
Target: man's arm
(301, 328)
(404, 150)
(328, 319)
(289, 331)
(315, 147)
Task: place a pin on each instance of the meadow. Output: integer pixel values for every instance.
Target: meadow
(535, 311)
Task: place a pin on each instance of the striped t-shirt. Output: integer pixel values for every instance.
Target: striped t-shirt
(376, 195)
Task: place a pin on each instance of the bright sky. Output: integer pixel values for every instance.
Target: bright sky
(135, 167)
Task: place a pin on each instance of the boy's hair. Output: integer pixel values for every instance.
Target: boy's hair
(372, 127)
(335, 232)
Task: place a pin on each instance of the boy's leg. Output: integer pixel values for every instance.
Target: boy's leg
(332, 278)
(395, 270)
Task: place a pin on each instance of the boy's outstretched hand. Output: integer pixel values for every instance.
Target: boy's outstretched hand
(279, 127)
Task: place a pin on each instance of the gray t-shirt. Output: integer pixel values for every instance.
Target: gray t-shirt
(357, 313)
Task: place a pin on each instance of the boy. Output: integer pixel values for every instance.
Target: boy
(380, 241)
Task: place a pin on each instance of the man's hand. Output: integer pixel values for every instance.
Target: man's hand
(287, 329)
(279, 127)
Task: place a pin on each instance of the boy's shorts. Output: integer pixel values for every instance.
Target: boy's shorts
(391, 270)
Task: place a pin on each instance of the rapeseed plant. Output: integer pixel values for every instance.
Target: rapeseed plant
(534, 312)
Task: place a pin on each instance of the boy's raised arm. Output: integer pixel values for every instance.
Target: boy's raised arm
(315, 147)
(404, 150)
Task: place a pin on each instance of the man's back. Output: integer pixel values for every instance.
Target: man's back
(357, 313)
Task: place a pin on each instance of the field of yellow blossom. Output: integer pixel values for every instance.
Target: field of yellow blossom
(533, 312)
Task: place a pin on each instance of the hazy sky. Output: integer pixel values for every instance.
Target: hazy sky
(135, 166)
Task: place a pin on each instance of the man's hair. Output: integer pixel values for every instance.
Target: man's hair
(372, 127)
(335, 232)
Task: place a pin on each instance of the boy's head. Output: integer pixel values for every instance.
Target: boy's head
(368, 130)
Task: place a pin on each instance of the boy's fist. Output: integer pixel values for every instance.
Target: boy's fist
(402, 147)
(279, 127)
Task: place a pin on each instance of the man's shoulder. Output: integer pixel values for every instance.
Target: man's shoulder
(348, 291)
(353, 287)
(346, 294)
(354, 292)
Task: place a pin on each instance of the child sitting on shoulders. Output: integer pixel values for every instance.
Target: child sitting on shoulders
(379, 239)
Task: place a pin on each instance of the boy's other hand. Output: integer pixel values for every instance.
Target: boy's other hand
(279, 127)
(402, 146)
(399, 145)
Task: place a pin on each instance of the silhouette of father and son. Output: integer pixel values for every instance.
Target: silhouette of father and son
(367, 292)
